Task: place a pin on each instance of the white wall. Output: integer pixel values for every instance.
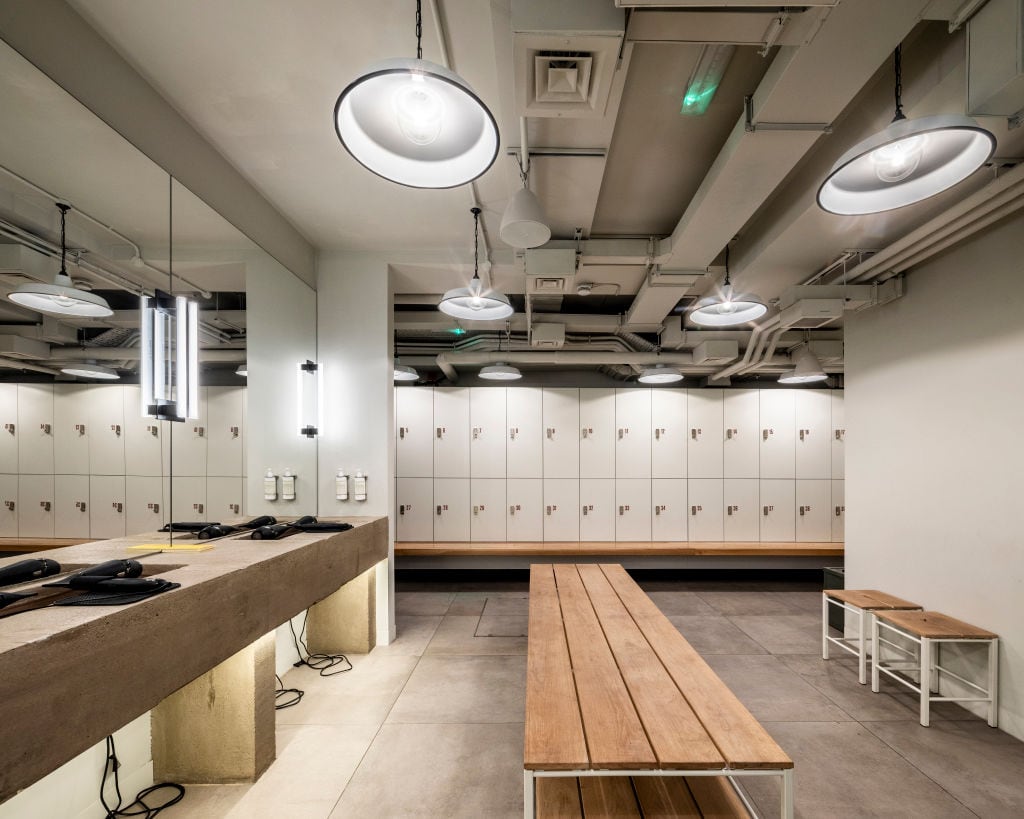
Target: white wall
(935, 443)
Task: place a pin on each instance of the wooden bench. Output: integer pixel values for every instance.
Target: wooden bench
(614, 549)
(614, 691)
(627, 797)
(862, 603)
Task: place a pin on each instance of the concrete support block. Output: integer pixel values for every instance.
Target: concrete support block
(346, 621)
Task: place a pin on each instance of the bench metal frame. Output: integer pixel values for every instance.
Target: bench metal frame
(856, 645)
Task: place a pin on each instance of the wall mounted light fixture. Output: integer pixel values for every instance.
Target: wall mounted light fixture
(309, 396)
(169, 372)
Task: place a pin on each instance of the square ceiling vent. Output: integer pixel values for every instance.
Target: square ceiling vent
(564, 76)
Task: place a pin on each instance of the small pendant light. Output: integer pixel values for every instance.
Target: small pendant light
(403, 372)
(90, 369)
(807, 370)
(472, 303)
(911, 160)
(524, 223)
(61, 298)
(727, 309)
(500, 371)
(660, 374)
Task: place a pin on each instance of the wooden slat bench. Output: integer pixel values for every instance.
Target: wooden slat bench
(614, 690)
(637, 796)
(615, 549)
(863, 603)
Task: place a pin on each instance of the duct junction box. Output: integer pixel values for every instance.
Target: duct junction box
(995, 59)
(550, 272)
(548, 336)
(716, 352)
(12, 346)
(808, 314)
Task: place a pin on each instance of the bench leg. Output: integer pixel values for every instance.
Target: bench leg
(824, 626)
(862, 655)
(993, 683)
(787, 794)
(876, 657)
(925, 679)
(529, 794)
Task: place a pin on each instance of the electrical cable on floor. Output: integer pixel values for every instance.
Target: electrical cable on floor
(144, 810)
(321, 662)
(295, 698)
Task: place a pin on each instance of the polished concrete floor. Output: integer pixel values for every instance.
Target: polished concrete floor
(432, 725)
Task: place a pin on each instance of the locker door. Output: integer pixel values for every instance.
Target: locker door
(597, 433)
(668, 498)
(837, 436)
(561, 416)
(108, 515)
(777, 426)
(8, 505)
(35, 432)
(188, 442)
(487, 432)
(812, 411)
(740, 449)
(189, 502)
(668, 422)
(35, 505)
(451, 435)
(597, 509)
(633, 509)
(415, 501)
(487, 497)
(524, 501)
(741, 509)
(224, 496)
(561, 507)
(8, 429)
(107, 431)
(524, 447)
(72, 429)
(145, 505)
(414, 448)
(837, 511)
(225, 442)
(813, 500)
(144, 438)
(777, 511)
(72, 506)
(704, 444)
(451, 509)
(633, 433)
(704, 507)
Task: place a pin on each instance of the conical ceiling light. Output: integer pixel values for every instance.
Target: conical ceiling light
(416, 123)
(727, 308)
(911, 160)
(472, 302)
(242, 370)
(500, 372)
(61, 298)
(660, 374)
(524, 223)
(90, 369)
(403, 372)
(807, 370)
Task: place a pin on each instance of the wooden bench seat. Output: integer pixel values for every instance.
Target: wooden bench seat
(863, 604)
(613, 549)
(612, 686)
(637, 796)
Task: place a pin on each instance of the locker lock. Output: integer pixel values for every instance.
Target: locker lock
(585, 432)
(659, 509)
(514, 508)
(765, 433)
(477, 432)
(233, 431)
(401, 509)
(552, 508)
(804, 433)
(441, 431)
(233, 508)
(442, 507)
(9, 428)
(153, 430)
(731, 433)
(80, 506)
(46, 505)
(512, 432)
(731, 509)
(623, 509)
(804, 510)
(623, 432)
(840, 434)
(478, 509)
(198, 507)
(80, 429)
(45, 428)
(768, 509)
(154, 507)
(402, 431)
(118, 506)
(199, 431)
(116, 429)
(695, 432)
(588, 509)
(840, 510)
(695, 509)
(10, 505)
(550, 433)
(658, 432)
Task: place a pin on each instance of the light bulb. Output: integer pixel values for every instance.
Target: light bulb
(726, 308)
(63, 301)
(898, 160)
(419, 111)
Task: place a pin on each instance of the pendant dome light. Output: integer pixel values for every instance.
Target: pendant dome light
(727, 308)
(403, 372)
(61, 298)
(911, 160)
(500, 371)
(472, 303)
(807, 370)
(660, 374)
(416, 123)
(90, 369)
(524, 223)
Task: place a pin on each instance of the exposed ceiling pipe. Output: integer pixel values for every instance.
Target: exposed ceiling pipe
(754, 346)
(135, 354)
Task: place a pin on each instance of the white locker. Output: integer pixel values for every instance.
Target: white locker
(812, 411)
(224, 498)
(8, 504)
(414, 417)
(837, 511)
(524, 501)
(813, 501)
(669, 430)
(487, 498)
(740, 413)
(225, 442)
(72, 506)
(107, 431)
(704, 508)
(189, 501)
(561, 507)
(704, 441)
(108, 515)
(146, 508)
(35, 432)
(777, 427)
(451, 435)
(741, 523)
(633, 511)
(487, 432)
(188, 443)
(777, 510)
(561, 424)
(633, 433)
(414, 498)
(451, 509)
(597, 433)
(524, 444)
(669, 512)
(145, 445)
(72, 429)
(8, 429)
(597, 509)
(837, 436)
(35, 505)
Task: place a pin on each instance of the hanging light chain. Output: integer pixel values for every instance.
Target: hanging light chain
(727, 281)
(63, 241)
(476, 242)
(419, 30)
(898, 65)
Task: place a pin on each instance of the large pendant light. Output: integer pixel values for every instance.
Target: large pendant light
(911, 160)
(807, 370)
(726, 308)
(90, 369)
(416, 123)
(473, 303)
(61, 298)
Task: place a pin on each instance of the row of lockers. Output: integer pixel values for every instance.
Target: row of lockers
(524, 432)
(102, 506)
(86, 429)
(625, 509)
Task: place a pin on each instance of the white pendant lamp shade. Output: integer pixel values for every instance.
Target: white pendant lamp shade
(404, 372)
(500, 372)
(524, 223)
(242, 370)
(660, 374)
(87, 369)
(473, 303)
(728, 309)
(416, 123)
(807, 370)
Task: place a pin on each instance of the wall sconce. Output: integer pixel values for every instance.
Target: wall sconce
(309, 392)
(170, 357)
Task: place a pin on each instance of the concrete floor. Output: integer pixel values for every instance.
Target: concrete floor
(432, 725)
